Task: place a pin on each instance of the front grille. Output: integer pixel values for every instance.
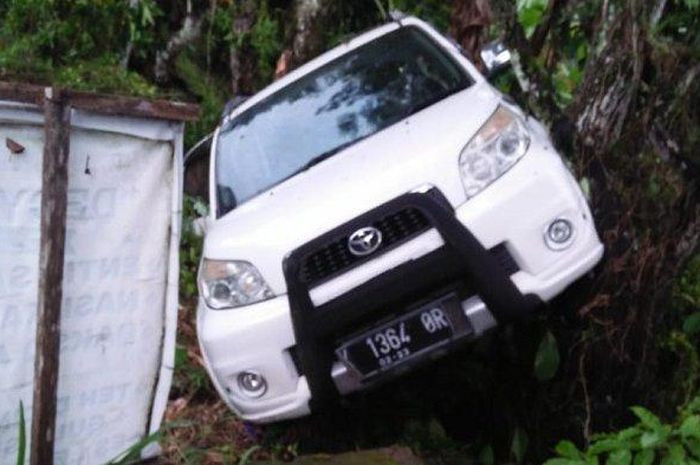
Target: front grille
(335, 258)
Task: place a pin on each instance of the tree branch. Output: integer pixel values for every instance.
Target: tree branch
(538, 38)
(188, 33)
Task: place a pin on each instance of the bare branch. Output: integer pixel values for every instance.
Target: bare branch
(188, 33)
(553, 12)
(133, 4)
(308, 14)
(657, 12)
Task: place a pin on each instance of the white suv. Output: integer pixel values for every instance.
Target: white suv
(371, 211)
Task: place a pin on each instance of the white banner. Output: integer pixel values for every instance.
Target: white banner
(120, 281)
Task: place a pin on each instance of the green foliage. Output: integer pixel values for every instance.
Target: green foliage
(649, 441)
(530, 14)
(190, 245)
(682, 24)
(265, 40)
(428, 436)
(142, 23)
(247, 455)
(192, 377)
(547, 358)
(518, 446)
(133, 453)
(684, 344)
(203, 77)
(20, 58)
(104, 75)
(22, 437)
(687, 372)
(64, 31)
(566, 79)
(557, 68)
(486, 456)
(687, 291)
(691, 325)
(77, 43)
(210, 93)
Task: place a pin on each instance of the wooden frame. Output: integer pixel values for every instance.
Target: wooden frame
(104, 104)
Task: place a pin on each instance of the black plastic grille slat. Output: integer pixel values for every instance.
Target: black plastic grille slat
(397, 227)
(335, 258)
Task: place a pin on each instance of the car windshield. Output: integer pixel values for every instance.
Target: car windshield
(332, 107)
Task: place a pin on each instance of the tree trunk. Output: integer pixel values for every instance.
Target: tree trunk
(631, 124)
(647, 212)
(241, 55)
(468, 25)
(307, 39)
(189, 32)
(133, 4)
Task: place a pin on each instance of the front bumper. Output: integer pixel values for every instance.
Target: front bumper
(513, 212)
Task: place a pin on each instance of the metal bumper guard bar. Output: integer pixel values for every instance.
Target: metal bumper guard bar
(462, 265)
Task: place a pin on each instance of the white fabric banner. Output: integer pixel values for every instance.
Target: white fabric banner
(120, 283)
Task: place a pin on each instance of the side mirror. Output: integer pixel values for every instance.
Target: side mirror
(496, 57)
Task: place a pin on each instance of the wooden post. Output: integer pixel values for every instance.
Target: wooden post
(51, 254)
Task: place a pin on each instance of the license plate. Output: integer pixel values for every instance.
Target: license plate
(398, 341)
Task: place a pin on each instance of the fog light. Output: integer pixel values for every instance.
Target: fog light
(559, 234)
(252, 384)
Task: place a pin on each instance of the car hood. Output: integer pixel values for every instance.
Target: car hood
(422, 149)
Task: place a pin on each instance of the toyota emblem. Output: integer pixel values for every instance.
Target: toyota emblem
(364, 241)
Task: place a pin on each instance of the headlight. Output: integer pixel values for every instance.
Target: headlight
(230, 284)
(495, 148)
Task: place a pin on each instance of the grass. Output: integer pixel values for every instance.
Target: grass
(208, 432)
(22, 441)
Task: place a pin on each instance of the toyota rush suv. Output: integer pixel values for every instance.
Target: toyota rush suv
(370, 211)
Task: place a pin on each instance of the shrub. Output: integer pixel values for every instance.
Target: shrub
(648, 442)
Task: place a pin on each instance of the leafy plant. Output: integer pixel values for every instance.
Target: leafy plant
(486, 456)
(518, 446)
(22, 437)
(547, 358)
(648, 442)
(687, 297)
(688, 289)
(190, 245)
(209, 92)
(191, 376)
(133, 453)
(106, 75)
(530, 14)
(142, 20)
(265, 39)
(245, 458)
